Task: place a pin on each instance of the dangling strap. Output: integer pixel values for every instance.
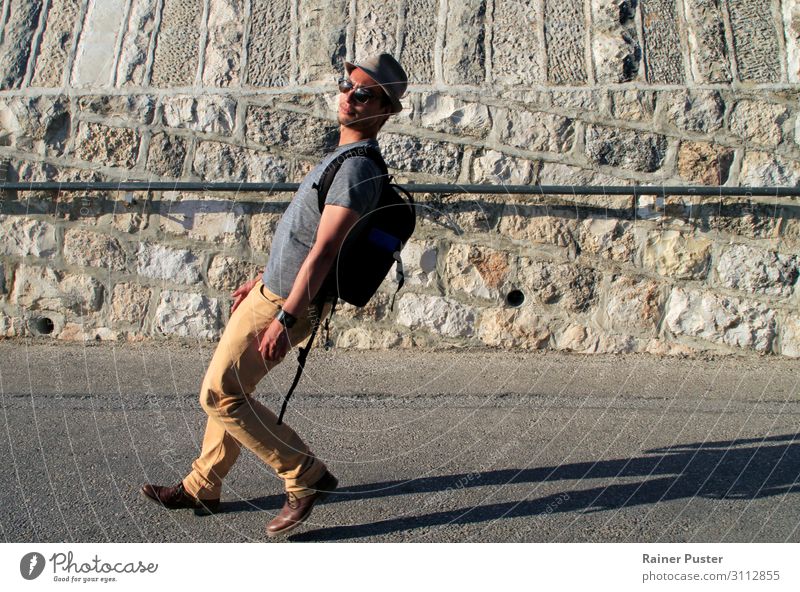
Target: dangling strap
(400, 277)
(301, 362)
(328, 342)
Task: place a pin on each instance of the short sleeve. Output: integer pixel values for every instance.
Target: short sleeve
(356, 185)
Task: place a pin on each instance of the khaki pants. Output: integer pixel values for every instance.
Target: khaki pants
(236, 419)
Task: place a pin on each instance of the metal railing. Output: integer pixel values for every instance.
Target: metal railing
(433, 188)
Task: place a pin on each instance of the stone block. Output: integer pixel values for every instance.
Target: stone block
(15, 47)
(364, 338)
(574, 100)
(179, 111)
(165, 155)
(757, 271)
(24, 236)
(586, 340)
(704, 163)
(577, 338)
(627, 149)
(615, 45)
(110, 146)
(460, 213)
(442, 316)
(377, 309)
(407, 153)
(177, 44)
(769, 169)
(212, 218)
(742, 217)
(223, 58)
(758, 122)
(262, 228)
(516, 55)
(97, 46)
(135, 108)
(478, 271)
(464, 54)
(21, 170)
(321, 45)
(90, 249)
(631, 304)
(514, 328)
(419, 263)
(62, 22)
(452, 115)
(553, 173)
(3, 279)
(215, 161)
(565, 42)
(662, 44)
(13, 326)
(216, 114)
(695, 111)
(226, 274)
(419, 26)
(790, 337)
(535, 131)
(755, 40)
(42, 288)
(129, 303)
(36, 124)
(536, 225)
(269, 46)
(791, 24)
(720, 319)
(137, 37)
(708, 52)
(376, 28)
(165, 263)
(287, 130)
(677, 255)
(181, 314)
(632, 105)
(607, 238)
(563, 285)
(496, 168)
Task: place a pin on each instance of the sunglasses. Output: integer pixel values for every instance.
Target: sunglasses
(360, 94)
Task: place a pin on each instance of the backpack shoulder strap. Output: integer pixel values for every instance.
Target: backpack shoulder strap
(326, 179)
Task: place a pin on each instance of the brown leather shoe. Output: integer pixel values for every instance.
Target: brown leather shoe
(296, 510)
(175, 497)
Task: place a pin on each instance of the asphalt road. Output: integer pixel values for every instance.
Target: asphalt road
(428, 446)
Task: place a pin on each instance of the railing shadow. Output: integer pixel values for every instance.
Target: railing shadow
(432, 207)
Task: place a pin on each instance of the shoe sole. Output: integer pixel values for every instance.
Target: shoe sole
(320, 497)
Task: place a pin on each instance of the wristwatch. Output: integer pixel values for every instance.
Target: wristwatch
(286, 319)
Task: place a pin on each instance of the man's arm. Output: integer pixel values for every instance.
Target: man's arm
(335, 223)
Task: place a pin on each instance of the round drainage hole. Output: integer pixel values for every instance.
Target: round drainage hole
(515, 298)
(43, 326)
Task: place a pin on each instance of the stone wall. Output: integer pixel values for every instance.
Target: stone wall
(503, 91)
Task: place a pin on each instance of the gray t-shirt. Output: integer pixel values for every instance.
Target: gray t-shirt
(356, 186)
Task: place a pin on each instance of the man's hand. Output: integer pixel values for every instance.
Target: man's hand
(274, 342)
(242, 292)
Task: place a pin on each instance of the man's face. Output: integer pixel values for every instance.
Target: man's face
(367, 116)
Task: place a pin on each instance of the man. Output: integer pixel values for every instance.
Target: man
(271, 313)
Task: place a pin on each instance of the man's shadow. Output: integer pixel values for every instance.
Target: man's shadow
(737, 469)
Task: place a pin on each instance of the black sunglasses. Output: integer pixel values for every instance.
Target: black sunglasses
(361, 95)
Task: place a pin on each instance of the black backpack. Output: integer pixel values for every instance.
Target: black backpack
(374, 243)
(372, 246)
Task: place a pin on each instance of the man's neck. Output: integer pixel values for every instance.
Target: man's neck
(348, 135)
